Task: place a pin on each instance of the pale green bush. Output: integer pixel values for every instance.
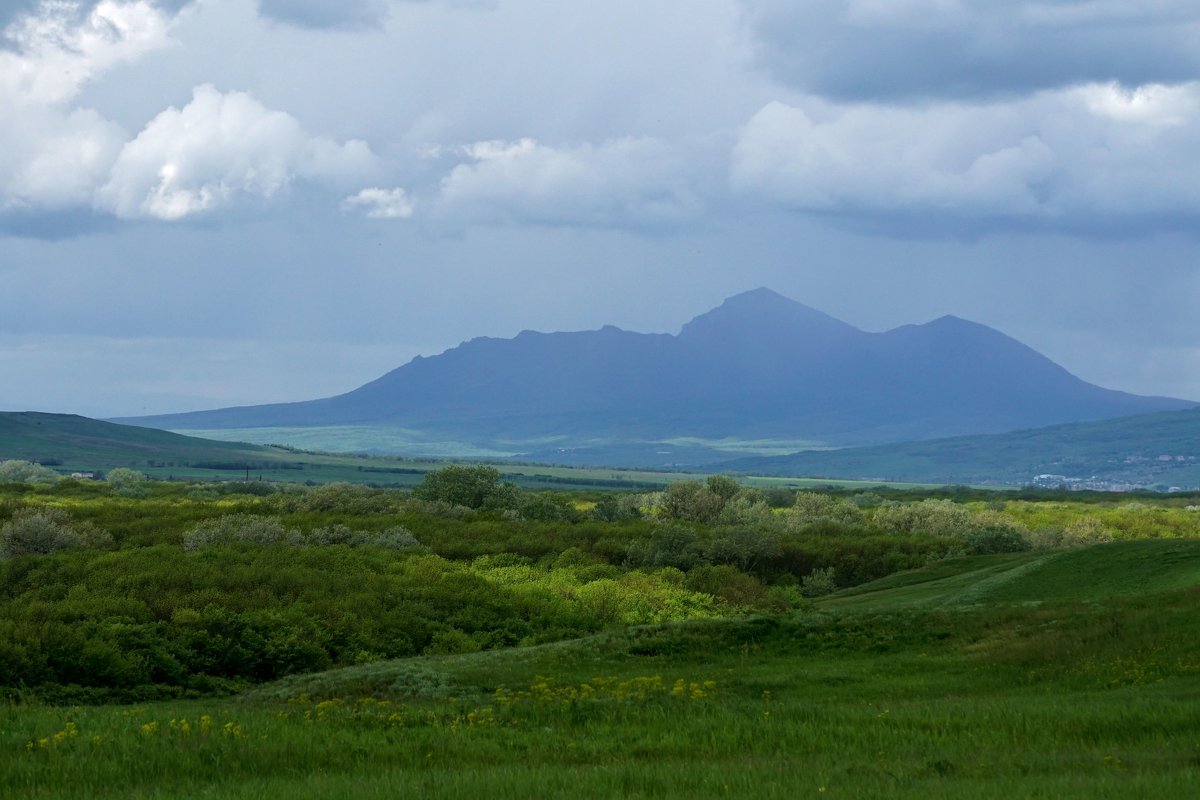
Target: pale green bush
(231, 528)
(39, 531)
(935, 517)
(747, 509)
(815, 507)
(16, 471)
(1085, 531)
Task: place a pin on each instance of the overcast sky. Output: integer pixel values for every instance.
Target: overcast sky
(224, 202)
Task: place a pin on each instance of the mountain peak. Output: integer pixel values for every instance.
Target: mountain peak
(763, 312)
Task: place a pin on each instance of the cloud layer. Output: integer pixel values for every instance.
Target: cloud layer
(893, 49)
(621, 183)
(1088, 153)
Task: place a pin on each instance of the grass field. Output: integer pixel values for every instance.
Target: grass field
(1071, 674)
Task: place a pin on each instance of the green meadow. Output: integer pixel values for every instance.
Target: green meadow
(226, 641)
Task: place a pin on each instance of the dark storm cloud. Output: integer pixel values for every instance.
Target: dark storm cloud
(894, 49)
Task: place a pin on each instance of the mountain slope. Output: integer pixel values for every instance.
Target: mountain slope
(1146, 449)
(759, 366)
(77, 441)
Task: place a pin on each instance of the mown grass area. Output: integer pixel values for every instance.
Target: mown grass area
(1093, 574)
(1056, 681)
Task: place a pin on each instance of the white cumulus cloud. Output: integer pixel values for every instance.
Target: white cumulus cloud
(217, 147)
(381, 203)
(52, 154)
(56, 155)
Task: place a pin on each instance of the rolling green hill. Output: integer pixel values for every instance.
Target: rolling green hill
(68, 440)
(1156, 450)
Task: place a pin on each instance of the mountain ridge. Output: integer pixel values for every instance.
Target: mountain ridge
(759, 365)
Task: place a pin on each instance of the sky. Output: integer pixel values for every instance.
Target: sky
(224, 202)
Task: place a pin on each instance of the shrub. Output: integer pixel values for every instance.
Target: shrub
(691, 501)
(745, 546)
(723, 486)
(747, 508)
(473, 487)
(435, 508)
(818, 583)
(996, 539)
(731, 585)
(935, 517)
(334, 534)
(1085, 531)
(15, 471)
(38, 531)
(815, 507)
(395, 538)
(548, 506)
(617, 508)
(668, 546)
(123, 478)
(339, 498)
(239, 528)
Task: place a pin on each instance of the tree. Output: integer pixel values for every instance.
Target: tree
(473, 487)
(691, 501)
(668, 546)
(723, 486)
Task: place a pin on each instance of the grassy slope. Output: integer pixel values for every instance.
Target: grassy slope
(1090, 694)
(1089, 575)
(72, 440)
(1102, 449)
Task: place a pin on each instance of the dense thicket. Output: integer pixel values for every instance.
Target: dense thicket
(135, 589)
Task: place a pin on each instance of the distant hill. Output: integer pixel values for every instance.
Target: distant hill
(760, 366)
(1160, 449)
(67, 439)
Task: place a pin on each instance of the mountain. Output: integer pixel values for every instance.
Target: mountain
(758, 367)
(1157, 450)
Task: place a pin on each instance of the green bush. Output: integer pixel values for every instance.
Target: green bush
(691, 501)
(731, 585)
(668, 546)
(473, 487)
(818, 583)
(744, 546)
(996, 539)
